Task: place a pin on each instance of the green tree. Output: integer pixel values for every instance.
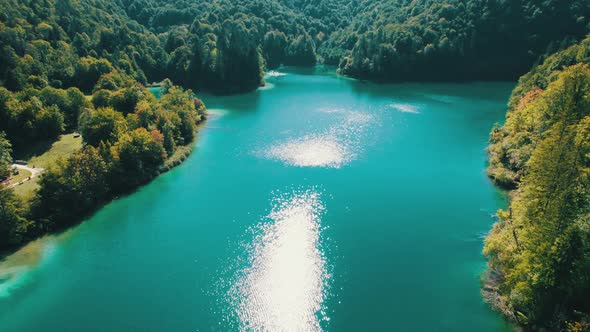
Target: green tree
(69, 102)
(14, 227)
(125, 100)
(540, 246)
(5, 156)
(302, 51)
(76, 104)
(103, 124)
(72, 188)
(274, 46)
(182, 103)
(138, 155)
(89, 70)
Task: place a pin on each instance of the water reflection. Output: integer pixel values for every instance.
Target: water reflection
(331, 148)
(285, 284)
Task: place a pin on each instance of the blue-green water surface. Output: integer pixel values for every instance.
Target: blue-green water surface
(316, 202)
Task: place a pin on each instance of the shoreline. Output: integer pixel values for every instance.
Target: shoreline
(177, 159)
(182, 154)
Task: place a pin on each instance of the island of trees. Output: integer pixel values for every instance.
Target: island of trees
(82, 66)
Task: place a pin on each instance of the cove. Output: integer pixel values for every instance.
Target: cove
(314, 203)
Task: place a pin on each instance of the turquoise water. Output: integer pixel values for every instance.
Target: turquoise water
(314, 203)
(156, 91)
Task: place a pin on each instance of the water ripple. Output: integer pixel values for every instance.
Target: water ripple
(284, 286)
(332, 148)
(405, 108)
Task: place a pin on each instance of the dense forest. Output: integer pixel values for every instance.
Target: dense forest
(455, 40)
(512, 144)
(539, 250)
(82, 66)
(225, 46)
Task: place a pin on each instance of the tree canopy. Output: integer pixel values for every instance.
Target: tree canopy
(539, 249)
(226, 45)
(528, 118)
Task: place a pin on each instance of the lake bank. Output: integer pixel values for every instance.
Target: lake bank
(79, 171)
(382, 186)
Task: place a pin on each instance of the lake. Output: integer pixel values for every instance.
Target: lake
(314, 203)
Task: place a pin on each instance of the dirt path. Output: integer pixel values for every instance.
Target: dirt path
(34, 173)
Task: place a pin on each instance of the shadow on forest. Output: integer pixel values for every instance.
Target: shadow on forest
(28, 151)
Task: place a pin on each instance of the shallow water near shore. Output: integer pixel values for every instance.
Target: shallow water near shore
(317, 203)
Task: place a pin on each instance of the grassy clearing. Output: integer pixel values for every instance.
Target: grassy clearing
(61, 148)
(44, 155)
(22, 174)
(27, 190)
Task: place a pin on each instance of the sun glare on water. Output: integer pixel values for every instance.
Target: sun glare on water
(312, 151)
(405, 108)
(333, 148)
(274, 73)
(284, 286)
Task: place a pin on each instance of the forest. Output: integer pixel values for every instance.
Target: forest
(225, 46)
(539, 250)
(83, 66)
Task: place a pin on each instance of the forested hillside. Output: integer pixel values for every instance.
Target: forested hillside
(226, 45)
(455, 39)
(72, 43)
(373, 39)
(512, 144)
(220, 46)
(539, 250)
